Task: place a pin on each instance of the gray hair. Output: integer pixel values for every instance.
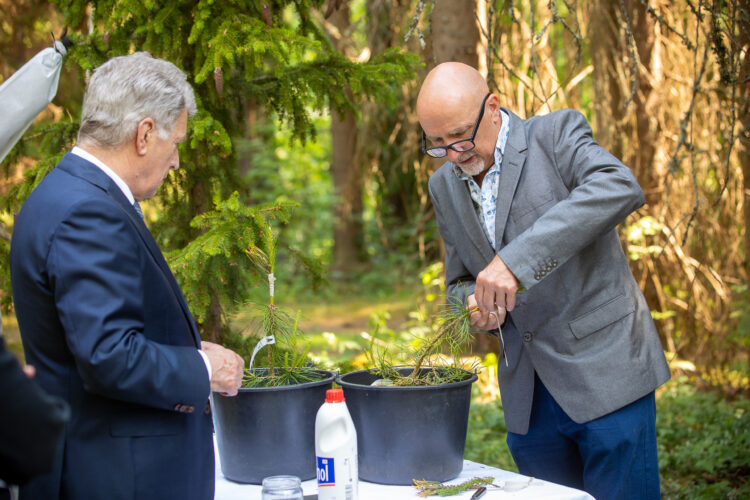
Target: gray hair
(125, 90)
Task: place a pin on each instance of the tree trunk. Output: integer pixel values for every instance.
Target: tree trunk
(348, 234)
(605, 54)
(744, 117)
(650, 173)
(631, 133)
(456, 33)
(213, 325)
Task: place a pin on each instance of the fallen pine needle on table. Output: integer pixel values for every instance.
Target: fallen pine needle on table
(436, 488)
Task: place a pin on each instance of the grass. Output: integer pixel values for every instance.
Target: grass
(346, 318)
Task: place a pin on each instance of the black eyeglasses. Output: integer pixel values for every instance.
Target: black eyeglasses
(459, 146)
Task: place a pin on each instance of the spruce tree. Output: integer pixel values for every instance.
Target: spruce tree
(235, 52)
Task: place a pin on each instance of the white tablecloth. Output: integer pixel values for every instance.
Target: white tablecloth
(538, 489)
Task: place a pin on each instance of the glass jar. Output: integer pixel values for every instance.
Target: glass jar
(282, 488)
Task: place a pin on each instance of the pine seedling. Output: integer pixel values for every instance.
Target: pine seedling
(286, 363)
(451, 332)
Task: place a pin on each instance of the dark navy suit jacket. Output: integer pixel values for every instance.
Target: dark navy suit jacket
(106, 326)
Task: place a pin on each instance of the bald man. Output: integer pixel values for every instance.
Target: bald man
(528, 211)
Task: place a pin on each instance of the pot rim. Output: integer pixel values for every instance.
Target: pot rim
(329, 379)
(352, 385)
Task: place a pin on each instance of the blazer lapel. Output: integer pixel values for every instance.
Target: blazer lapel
(513, 161)
(158, 256)
(469, 219)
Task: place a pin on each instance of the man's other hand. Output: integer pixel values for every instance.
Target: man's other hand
(496, 285)
(484, 321)
(226, 368)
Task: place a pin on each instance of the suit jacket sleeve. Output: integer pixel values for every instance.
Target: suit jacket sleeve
(602, 190)
(31, 426)
(95, 263)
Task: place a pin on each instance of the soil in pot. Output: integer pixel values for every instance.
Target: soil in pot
(408, 432)
(269, 431)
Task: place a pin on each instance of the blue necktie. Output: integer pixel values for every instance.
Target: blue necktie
(138, 209)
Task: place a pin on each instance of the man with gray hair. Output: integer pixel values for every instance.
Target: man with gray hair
(101, 316)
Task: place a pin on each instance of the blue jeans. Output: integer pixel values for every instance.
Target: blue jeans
(611, 457)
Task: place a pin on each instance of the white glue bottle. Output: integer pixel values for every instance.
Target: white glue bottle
(336, 449)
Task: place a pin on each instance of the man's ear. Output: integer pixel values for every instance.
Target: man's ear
(494, 105)
(143, 134)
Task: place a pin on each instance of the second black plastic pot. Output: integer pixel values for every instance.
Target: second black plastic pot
(269, 431)
(407, 433)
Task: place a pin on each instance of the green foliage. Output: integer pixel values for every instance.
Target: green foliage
(281, 169)
(5, 264)
(485, 437)
(703, 443)
(224, 256)
(740, 337)
(239, 55)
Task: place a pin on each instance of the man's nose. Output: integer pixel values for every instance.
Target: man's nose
(452, 155)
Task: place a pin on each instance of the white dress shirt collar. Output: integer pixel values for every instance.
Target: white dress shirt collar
(111, 173)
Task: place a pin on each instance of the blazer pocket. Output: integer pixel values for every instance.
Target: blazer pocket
(146, 423)
(606, 314)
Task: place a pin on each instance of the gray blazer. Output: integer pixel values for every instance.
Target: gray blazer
(581, 323)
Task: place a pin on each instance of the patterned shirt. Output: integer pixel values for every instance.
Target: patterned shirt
(485, 197)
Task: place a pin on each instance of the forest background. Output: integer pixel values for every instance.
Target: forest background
(310, 103)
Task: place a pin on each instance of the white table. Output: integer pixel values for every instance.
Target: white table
(538, 489)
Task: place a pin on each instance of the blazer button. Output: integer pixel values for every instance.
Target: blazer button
(178, 407)
(528, 336)
(207, 409)
(189, 408)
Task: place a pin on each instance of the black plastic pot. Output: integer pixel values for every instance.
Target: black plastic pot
(269, 431)
(407, 433)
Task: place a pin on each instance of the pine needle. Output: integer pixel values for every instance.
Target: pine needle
(451, 331)
(436, 488)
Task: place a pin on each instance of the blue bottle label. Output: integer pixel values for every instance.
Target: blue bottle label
(326, 473)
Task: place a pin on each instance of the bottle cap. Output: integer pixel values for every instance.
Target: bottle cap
(335, 396)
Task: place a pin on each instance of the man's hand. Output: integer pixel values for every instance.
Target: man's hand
(484, 321)
(226, 368)
(496, 285)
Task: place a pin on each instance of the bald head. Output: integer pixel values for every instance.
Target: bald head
(455, 109)
(449, 87)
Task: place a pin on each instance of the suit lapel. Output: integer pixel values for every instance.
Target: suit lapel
(157, 255)
(513, 161)
(82, 168)
(469, 218)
